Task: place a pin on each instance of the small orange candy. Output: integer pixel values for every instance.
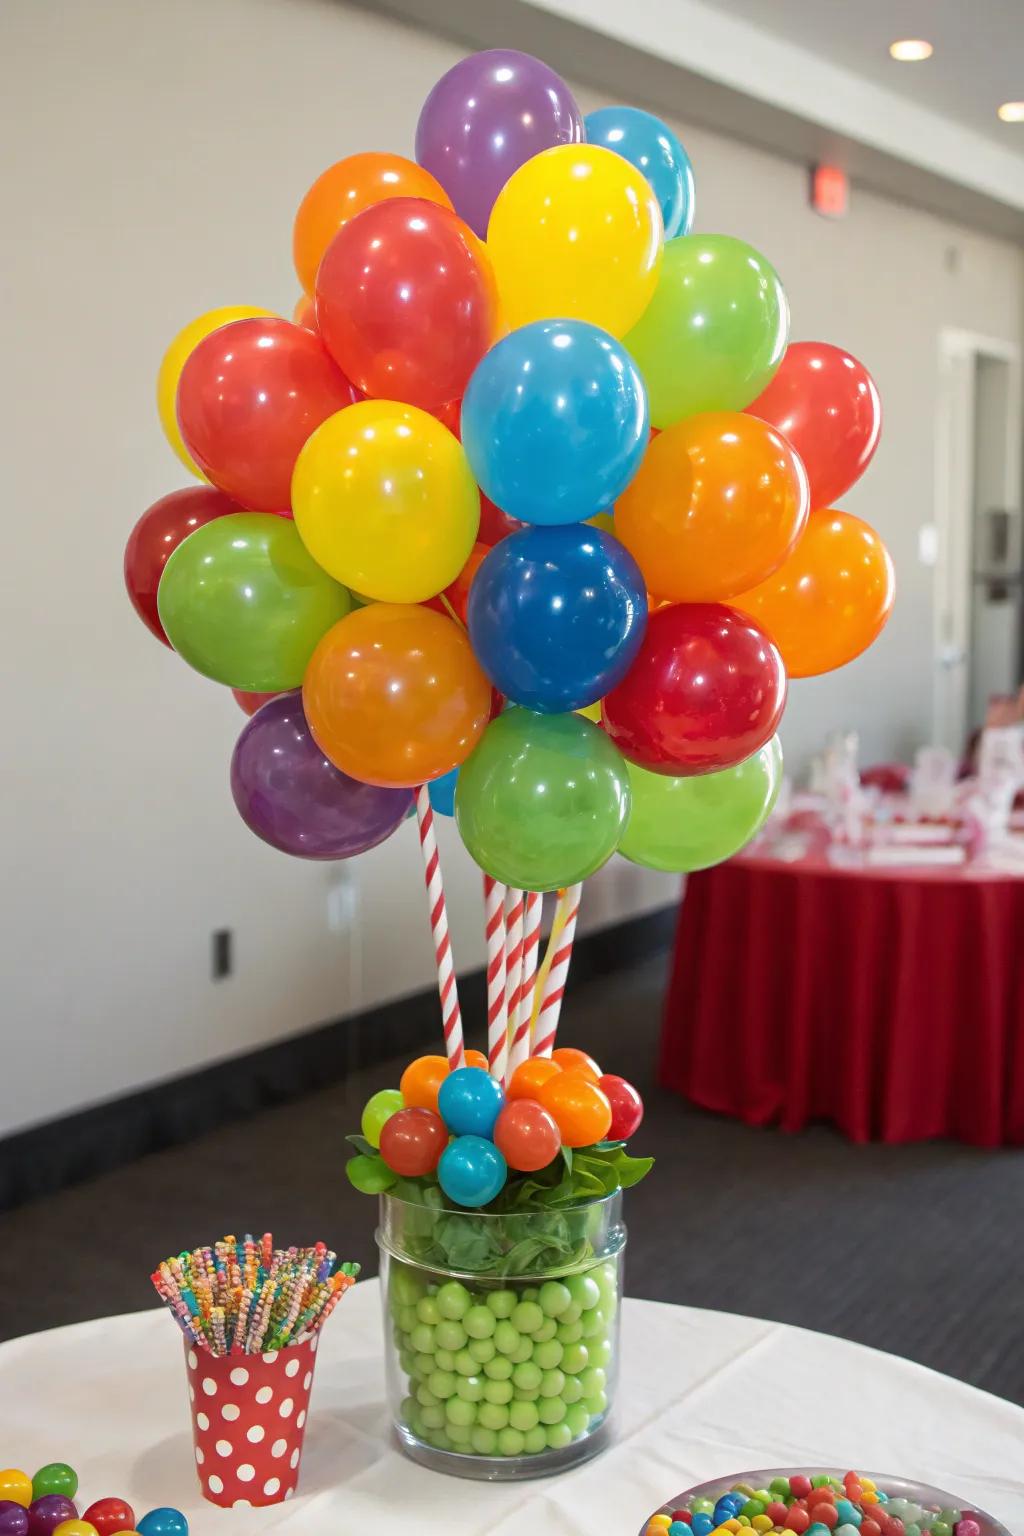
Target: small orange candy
(571, 1060)
(578, 1107)
(476, 1059)
(421, 1082)
(529, 1078)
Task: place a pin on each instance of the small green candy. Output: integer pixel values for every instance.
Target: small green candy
(422, 1339)
(594, 1380)
(465, 1365)
(523, 1350)
(569, 1333)
(578, 1419)
(425, 1397)
(460, 1435)
(575, 1358)
(484, 1441)
(506, 1338)
(553, 1384)
(548, 1330)
(458, 1411)
(535, 1440)
(498, 1369)
(498, 1391)
(527, 1376)
(585, 1291)
(479, 1322)
(406, 1318)
(597, 1404)
(449, 1334)
(572, 1313)
(548, 1354)
(527, 1317)
(453, 1301)
(433, 1418)
(595, 1324)
(423, 1367)
(502, 1303)
(444, 1359)
(482, 1350)
(511, 1442)
(554, 1298)
(438, 1439)
(559, 1436)
(471, 1388)
(601, 1354)
(492, 1415)
(940, 1528)
(779, 1487)
(523, 1415)
(427, 1311)
(551, 1410)
(406, 1286)
(751, 1508)
(572, 1392)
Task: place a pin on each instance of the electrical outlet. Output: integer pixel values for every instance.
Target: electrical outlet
(221, 953)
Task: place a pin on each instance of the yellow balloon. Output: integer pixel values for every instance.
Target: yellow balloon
(591, 711)
(174, 360)
(603, 520)
(76, 1528)
(576, 233)
(384, 492)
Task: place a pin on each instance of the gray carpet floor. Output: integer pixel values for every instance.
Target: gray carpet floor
(917, 1250)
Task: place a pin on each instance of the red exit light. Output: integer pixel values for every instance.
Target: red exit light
(830, 191)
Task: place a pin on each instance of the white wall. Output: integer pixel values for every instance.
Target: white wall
(159, 154)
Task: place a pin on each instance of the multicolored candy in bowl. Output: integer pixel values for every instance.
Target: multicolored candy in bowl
(815, 1501)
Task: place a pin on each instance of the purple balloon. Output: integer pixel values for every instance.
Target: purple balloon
(295, 799)
(488, 115)
(45, 1514)
(13, 1519)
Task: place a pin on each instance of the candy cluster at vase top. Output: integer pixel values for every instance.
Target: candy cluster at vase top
(530, 446)
(815, 1505)
(469, 1132)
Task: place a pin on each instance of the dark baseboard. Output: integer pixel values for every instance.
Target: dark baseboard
(51, 1156)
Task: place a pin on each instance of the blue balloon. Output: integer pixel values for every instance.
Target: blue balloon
(556, 616)
(555, 421)
(655, 151)
(163, 1522)
(472, 1171)
(469, 1101)
(442, 793)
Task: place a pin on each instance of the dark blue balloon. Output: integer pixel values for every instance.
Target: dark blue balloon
(442, 793)
(651, 146)
(555, 421)
(556, 616)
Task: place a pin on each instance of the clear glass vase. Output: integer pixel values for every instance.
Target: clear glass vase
(501, 1334)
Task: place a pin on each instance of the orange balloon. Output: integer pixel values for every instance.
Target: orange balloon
(477, 1059)
(456, 595)
(578, 1107)
(394, 695)
(345, 189)
(528, 1079)
(571, 1060)
(718, 503)
(830, 599)
(421, 1082)
(304, 313)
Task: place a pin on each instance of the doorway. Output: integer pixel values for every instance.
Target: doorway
(978, 612)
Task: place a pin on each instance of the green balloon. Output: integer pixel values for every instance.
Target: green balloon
(542, 800)
(243, 602)
(679, 825)
(378, 1112)
(714, 332)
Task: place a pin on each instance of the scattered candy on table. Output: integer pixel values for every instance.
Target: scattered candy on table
(44, 1505)
(814, 1505)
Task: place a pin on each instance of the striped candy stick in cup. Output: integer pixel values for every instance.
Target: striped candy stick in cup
(451, 1016)
(552, 989)
(514, 914)
(497, 997)
(520, 1026)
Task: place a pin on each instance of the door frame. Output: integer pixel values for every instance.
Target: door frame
(959, 352)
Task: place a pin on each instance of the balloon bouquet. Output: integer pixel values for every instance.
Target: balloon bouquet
(527, 514)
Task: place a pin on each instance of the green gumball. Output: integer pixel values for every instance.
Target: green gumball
(378, 1112)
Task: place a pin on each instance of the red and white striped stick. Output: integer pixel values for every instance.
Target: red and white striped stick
(519, 1049)
(554, 985)
(451, 1016)
(513, 968)
(497, 1000)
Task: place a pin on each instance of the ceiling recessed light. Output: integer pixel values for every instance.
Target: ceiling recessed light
(911, 50)
(1012, 111)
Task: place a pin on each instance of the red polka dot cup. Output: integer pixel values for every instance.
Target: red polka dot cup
(249, 1421)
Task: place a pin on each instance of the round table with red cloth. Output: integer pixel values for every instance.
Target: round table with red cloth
(889, 1002)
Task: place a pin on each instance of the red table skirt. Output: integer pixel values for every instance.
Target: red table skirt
(891, 1007)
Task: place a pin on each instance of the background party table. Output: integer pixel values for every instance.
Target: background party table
(703, 1393)
(889, 1001)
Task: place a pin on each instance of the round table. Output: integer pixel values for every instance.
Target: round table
(702, 1394)
(888, 1001)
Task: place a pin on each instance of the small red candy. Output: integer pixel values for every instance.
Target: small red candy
(869, 1527)
(800, 1486)
(110, 1516)
(684, 1516)
(797, 1518)
(777, 1513)
(825, 1514)
(895, 1526)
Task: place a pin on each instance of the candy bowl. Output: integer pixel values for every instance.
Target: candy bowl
(816, 1501)
(501, 1334)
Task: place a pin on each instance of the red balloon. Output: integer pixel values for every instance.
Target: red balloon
(412, 1141)
(248, 398)
(456, 595)
(249, 703)
(527, 1136)
(110, 1516)
(157, 535)
(406, 302)
(627, 1106)
(706, 691)
(825, 402)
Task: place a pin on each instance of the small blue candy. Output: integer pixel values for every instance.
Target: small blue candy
(679, 1528)
(848, 1513)
(701, 1525)
(163, 1522)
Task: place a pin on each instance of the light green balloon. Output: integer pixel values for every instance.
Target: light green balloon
(679, 825)
(714, 332)
(378, 1112)
(243, 602)
(542, 800)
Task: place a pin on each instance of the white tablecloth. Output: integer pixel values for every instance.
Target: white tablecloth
(702, 1394)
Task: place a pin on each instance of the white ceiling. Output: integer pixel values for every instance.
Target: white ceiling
(977, 64)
